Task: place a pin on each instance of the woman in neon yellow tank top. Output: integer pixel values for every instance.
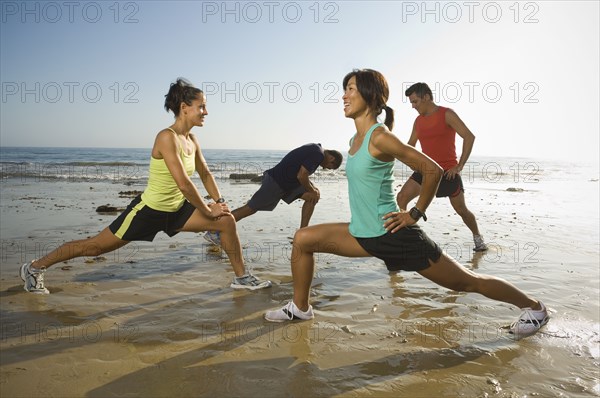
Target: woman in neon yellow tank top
(170, 203)
(377, 227)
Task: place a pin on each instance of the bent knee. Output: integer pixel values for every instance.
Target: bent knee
(306, 238)
(460, 208)
(403, 198)
(227, 222)
(401, 195)
(301, 237)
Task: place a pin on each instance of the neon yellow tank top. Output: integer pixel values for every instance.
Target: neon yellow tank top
(162, 192)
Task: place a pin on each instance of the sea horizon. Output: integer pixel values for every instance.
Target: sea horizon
(5, 148)
(130, 166)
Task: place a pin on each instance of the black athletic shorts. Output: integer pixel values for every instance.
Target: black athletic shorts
(140, 222)
(408, 249)
(448, 187)
(270, 193)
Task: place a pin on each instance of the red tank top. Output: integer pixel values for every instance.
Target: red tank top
(437, 138)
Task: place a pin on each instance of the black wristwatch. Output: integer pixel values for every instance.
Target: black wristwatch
(221, 200)
(416, 214)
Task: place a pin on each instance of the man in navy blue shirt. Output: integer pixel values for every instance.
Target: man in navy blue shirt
(289, 181)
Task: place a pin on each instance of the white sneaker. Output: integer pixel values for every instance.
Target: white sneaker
(480, 245)
(33, 278)
(530, 321)
(289, 312)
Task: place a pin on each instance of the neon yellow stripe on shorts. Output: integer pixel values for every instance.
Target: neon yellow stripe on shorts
(127, 221)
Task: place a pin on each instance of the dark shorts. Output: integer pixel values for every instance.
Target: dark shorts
(270, 193)
(408, 249)
(448, 187)
(140, 222)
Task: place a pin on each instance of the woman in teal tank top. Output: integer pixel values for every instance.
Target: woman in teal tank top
(170, 203)
(377, 227)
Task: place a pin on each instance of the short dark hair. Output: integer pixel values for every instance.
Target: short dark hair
(180, 91)
(420, 89)
(337, 156)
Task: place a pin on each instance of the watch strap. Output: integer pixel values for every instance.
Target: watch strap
(416, 214)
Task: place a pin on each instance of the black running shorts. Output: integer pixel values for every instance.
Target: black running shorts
(270, 193)
(140, 222)
(448, 187)
(408, 249)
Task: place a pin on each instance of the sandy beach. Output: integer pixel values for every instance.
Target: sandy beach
(159, 319)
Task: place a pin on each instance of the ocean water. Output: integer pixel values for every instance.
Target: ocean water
(117, 164)
(557, 194)
(122, 164)
(538, 188)
(375, 333)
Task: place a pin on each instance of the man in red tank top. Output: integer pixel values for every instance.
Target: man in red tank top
(435, 128)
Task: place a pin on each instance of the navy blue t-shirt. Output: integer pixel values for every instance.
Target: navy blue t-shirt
(285, 172)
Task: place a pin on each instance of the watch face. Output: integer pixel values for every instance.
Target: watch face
(414, 213)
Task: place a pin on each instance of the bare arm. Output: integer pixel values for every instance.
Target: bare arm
(468, 138)
(412, 141)
(313, 193)
(386, 145)
(208, 180)
(166, 145)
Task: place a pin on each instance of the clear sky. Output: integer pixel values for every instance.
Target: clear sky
(524, 76)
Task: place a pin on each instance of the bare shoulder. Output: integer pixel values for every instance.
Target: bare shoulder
(385, 145)
(165, 135)
(454, 121)
(382, 134)
(451, 115)
(164, 143)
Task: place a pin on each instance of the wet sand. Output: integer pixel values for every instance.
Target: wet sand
(159, 319)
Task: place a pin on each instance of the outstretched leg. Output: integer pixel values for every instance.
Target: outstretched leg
(450, 274)
(102, 243)
(459, 205)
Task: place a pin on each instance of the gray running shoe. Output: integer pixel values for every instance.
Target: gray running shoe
(249, 282)
(480, 245)
(213, 237)
(33, 278)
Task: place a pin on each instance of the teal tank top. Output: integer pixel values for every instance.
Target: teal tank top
(370, 190)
